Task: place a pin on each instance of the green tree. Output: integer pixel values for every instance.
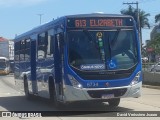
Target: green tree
(157, 18)
(129, 11)
(155, 44)
(143, 17)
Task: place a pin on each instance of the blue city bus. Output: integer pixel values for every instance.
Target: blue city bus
(86, 57)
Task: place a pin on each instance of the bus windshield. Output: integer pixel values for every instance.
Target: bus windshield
(2, 65)
(102, 50)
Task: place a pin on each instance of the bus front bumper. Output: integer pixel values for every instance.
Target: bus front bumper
(72, 94)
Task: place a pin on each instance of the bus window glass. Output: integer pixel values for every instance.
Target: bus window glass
(41, 46)
(123, 49)
(22, 51)
(21, 56)
(16, 57)
(92, 50)
(22, 44)
(27, 54)
(28, 43)
(27, 50)
(83, 50)
(2, 63)
(17, 46)
(50, 43)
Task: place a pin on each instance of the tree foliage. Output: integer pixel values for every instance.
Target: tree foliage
(155, 43)
(143, 16)
(157, 18)
(144, 21)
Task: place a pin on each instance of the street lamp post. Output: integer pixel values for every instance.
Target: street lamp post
(138, 20)
(40, 18)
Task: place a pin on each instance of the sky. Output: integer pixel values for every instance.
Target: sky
(19, 16)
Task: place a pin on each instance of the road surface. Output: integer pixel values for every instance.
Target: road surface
(11, 99)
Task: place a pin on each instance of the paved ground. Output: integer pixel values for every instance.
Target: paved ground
(13, 100)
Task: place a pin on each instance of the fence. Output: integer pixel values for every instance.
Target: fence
(151, 74)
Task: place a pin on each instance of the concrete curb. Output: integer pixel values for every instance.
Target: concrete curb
(151, 86)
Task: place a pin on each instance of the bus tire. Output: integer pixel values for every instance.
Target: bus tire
(114, 102)
(52, 93)
(26, 90)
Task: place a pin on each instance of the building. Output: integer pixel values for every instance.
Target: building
(7, 48)
(11, 49)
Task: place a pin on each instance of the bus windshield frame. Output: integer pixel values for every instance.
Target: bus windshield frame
(104, 51)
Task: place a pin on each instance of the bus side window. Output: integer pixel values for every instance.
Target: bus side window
(41, 45)
(60, 39)
(17, 49)
(27, 50)
(50, 43)
(22, 50)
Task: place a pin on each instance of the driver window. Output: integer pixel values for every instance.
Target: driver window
(122, 50)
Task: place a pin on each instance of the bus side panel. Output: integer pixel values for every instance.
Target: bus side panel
(45, 67)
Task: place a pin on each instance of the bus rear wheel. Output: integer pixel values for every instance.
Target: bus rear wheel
(114, 102)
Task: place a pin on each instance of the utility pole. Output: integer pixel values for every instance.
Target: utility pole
(138, 21)
(40, 18)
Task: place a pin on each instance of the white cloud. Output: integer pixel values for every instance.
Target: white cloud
(8, 3)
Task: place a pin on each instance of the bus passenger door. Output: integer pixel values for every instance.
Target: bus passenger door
(32, 82)
(58, 62)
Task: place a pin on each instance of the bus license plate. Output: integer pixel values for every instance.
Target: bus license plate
(107, 96)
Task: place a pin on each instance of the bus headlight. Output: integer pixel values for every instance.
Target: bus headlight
(136, 78)
(74, 82)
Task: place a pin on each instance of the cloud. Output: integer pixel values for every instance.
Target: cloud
(9, 3)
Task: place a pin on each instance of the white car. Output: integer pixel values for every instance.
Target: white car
(144, 59)
(155, 67)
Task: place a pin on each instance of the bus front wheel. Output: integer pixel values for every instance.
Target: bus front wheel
(114, 102)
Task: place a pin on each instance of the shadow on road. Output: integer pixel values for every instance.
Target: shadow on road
(20, 103)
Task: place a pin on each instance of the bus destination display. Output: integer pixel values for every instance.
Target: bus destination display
(98, 22)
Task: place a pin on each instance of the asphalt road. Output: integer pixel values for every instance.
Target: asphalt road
(11, 99)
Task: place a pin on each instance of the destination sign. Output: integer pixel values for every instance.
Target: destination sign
(99, 22)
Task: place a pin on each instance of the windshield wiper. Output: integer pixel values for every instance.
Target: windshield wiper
(90, 37)
(114, 40)
(86, 32)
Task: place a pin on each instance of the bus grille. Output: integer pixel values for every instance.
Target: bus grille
(104, 77)
(99, 93)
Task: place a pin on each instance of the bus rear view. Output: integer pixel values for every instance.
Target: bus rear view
(103, 58)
